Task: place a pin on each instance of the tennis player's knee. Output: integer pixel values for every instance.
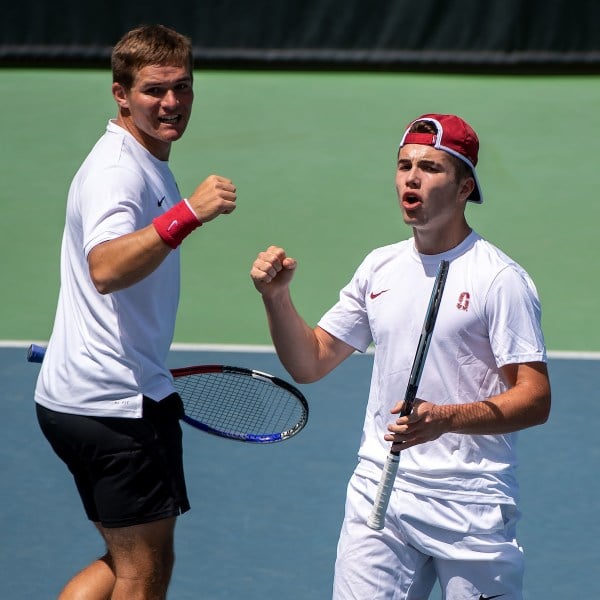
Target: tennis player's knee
(142, 551)
(152, 563)
(144, 574)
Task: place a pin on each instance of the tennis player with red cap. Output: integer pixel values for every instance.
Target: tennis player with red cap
(453, 512)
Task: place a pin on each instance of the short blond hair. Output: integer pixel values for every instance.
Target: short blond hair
(149, 45)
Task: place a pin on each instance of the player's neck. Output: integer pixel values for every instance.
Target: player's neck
(158, 148)
(438, 241)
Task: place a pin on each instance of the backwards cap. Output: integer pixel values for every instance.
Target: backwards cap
(454, 136)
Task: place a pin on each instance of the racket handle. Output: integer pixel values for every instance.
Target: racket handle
(35, 353)
(384, 491)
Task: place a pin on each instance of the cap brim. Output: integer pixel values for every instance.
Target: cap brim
(476, 195)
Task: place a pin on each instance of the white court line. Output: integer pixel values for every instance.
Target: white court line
(266, 349)
(572, 355)
(565, 354)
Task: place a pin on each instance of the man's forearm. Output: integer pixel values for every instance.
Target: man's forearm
(295, 341)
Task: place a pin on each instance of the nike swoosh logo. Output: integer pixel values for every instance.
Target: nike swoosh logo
(161, 201)
(375, 294)
(482, 597)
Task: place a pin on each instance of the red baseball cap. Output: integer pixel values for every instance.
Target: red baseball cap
(454, 136)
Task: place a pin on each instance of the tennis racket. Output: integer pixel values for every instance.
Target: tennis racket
(234, 402)
(386, 483)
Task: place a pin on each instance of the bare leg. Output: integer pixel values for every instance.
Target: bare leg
(143, 559)
(137, 566)
(95, 582)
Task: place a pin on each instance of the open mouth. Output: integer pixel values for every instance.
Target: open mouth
(411, 200)
(170, 120)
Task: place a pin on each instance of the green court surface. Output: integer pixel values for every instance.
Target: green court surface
(313, 156)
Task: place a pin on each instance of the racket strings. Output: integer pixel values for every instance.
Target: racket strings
(239, 404)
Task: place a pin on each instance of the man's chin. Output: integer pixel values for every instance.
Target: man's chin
(171, 133)
(170, 137)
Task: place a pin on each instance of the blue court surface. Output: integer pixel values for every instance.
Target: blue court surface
(265, 519)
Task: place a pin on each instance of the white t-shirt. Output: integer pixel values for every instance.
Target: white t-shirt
(489, 317)
(107, 351)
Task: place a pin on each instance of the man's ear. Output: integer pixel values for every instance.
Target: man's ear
(466, 188)
(120, 95)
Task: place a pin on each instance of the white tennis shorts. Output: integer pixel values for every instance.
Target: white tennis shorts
(469, 548)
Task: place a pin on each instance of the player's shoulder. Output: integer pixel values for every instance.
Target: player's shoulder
(113, 158)
(482, 250)
(495, 264)
(384, 254)
(385, 258)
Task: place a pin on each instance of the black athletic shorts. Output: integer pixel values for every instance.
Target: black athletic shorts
(127, 471)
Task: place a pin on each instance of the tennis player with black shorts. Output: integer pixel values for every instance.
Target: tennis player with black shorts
(453, 508)
(105, 398)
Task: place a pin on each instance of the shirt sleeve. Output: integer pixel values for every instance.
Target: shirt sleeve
(513, 312)
(111, 205)
(348, 320)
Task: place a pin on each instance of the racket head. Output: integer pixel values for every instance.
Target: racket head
(240, 404)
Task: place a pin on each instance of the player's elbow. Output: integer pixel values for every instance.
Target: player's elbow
(544, 406)
(103, 283)
(103, 290)
(539, 408)
(304, 371)
(305, 377)
(544, 400)
(100, 271)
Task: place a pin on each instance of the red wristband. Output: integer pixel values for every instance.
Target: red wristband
(176, 224)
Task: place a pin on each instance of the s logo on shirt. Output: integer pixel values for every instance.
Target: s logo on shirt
(463, 301)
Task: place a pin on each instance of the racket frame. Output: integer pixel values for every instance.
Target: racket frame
(376, 519)
(35, 354)
(265, 438)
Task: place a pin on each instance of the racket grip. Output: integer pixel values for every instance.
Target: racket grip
(35, 353)
(384, 491)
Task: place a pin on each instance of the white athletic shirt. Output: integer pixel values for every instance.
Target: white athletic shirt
(107, 351)
(489, 317)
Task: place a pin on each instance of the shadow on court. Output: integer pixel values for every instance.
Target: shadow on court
(265, 519)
